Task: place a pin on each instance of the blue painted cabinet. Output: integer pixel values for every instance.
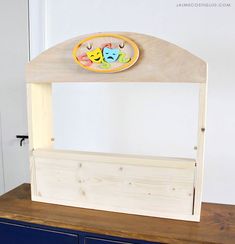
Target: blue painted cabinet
(17, 232)
(14, 234)
(95, 240)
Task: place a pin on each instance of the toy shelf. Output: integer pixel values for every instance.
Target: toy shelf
(153, 186)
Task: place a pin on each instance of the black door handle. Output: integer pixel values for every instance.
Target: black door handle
(22, 137)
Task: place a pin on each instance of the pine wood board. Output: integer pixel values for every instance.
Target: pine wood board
(162, 187)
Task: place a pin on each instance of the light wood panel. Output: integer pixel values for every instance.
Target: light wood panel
(159, 61)
(39, 99)
(151, 186)
(200, 148)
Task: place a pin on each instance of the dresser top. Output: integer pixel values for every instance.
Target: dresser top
(217, 221)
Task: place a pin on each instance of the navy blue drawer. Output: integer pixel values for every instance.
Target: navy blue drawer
(14, 234)
(94, 240)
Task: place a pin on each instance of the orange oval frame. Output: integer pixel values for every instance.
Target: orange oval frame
(125, 66)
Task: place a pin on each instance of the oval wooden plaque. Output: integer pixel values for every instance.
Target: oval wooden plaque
(106, 53)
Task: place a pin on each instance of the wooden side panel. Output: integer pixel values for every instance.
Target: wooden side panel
(40, 115)
(200, 149)
(159, 61)
(160, 187)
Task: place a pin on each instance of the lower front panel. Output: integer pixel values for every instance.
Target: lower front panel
(160, 187)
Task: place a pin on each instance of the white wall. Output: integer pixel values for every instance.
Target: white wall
(128, 118)
(148, 119)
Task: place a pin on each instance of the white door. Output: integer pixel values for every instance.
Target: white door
(14, 167)
(1, 163)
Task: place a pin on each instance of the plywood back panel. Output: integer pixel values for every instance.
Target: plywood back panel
(159, 61)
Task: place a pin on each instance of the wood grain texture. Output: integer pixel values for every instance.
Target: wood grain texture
(159, 61)
(39, 100)
(150, 186)
(217, 221)
(200, 148)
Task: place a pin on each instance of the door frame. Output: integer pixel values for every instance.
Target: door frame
(37, 18)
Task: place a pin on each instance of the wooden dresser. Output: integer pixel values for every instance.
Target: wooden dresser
(23, 221)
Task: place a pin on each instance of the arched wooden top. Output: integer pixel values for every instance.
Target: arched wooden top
(159, 61)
